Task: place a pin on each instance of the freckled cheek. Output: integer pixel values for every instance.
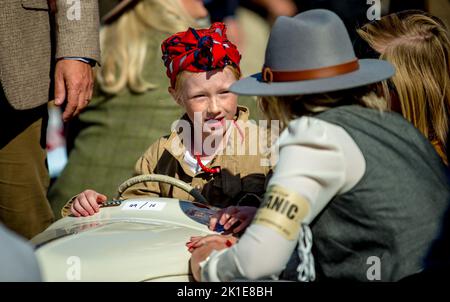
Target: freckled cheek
(196, 108)
(230, 106)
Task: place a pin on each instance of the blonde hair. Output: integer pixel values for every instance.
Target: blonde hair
(125, 43)
(418, 45)
(287, 108)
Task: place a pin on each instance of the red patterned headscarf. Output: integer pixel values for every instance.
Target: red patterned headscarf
(198, 51)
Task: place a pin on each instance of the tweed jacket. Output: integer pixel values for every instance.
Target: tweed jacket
(28, 47)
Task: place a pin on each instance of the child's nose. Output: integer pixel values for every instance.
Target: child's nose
(213, 108)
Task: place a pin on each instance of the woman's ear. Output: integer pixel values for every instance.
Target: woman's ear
(175, 95)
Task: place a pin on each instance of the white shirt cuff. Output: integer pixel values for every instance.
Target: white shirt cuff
(209, 267)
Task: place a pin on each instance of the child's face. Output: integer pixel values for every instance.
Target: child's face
(208, 94)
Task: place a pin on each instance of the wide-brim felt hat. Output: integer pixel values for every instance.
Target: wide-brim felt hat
(110, 10)
(311, 53)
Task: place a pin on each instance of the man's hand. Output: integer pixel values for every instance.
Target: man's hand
(74, 81)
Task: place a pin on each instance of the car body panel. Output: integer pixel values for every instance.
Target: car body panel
(142, 239)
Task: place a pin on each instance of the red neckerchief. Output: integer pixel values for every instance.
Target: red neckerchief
(216, 170)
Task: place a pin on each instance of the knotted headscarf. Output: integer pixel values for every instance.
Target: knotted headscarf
(198, 51)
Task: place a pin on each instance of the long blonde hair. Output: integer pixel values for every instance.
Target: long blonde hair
(125, 43)
(287, 108)
(418, 45)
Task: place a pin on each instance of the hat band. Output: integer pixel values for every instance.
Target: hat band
(268, 75)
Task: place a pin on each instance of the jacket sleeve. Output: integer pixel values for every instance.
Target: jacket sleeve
(77, 29)
(145, 165)
(254, 183)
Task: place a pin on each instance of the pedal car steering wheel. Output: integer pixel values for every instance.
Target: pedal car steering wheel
(164, 179)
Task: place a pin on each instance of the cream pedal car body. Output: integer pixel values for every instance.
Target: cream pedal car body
(139, 239)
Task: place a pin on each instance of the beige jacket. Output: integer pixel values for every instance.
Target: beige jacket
(240, 175)
(27, 50)
(242, 179)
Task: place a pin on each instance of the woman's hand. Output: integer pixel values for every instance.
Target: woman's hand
(199, 241)
(87, 203)
(202, 252)
(229, 216)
